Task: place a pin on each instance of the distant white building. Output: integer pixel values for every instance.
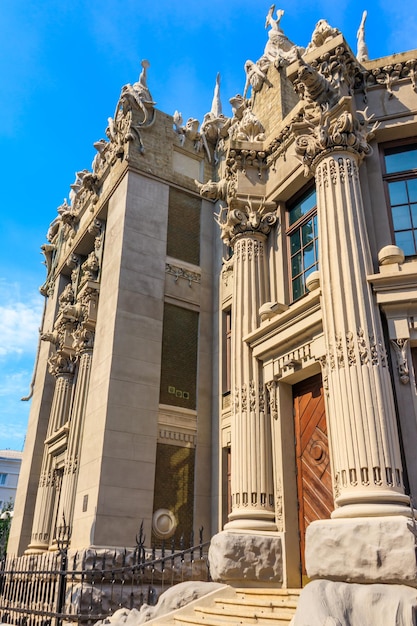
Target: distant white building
(10, 462)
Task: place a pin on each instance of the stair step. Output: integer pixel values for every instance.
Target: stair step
(260, 603)
(258, 606)
(269, 593)
(247, 613)
(218, 620)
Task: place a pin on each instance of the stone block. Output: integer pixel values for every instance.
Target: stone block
(362, 550)
(328, 603)
(238, 558)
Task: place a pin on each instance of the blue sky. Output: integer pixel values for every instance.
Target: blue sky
(62, 66)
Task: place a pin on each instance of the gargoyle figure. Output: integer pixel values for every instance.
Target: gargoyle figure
(213, 190)
(312, 86)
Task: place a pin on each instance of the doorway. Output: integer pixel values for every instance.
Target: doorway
(314, 481)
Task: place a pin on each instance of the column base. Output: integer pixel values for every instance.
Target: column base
(251, 519)
(37, 547)
(378, 503)
(246, 559)
(251, 525)
(363, 550)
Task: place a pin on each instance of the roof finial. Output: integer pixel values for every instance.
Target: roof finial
(216, 105)
(362, 53)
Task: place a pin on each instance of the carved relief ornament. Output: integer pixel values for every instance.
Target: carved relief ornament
(254, 215)
(400, 348)
(333, 130)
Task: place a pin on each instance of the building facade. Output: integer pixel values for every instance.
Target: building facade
(254, 375)
(10, 461)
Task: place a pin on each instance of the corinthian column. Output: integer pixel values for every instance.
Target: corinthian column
(84, 341)
(63, 369)
(368, 476)
(251, 473)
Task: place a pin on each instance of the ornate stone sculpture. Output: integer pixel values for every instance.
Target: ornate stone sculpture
(279, 51)
(322, 33)
(312, 87)
(345, 131)
(253, 215)
(362, 53)
(400, 348)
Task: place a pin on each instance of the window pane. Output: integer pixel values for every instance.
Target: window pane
(309, 271)
(309, 256)
(412, 189)
(302, 207)
(401, 159)
(307, 232)
(295, 243)
(413, 208)
(296, 265)
(297, 288)
(398, 192)
(401, 217)
(308, 202)
(405, 241)
(295, 214)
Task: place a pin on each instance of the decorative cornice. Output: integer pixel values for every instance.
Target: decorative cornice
(387, 75)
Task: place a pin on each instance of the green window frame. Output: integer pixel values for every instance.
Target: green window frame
(302, 237)
(400, 177)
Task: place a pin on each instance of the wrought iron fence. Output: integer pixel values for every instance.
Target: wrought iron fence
(84, 587)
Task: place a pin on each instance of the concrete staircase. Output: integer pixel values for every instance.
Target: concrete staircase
(264, 607)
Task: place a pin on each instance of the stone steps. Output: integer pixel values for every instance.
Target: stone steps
(246, 606)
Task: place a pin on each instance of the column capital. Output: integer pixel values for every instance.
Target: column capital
(324, 131)
(248, 216)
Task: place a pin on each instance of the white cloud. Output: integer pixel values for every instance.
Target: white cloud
(21, 318)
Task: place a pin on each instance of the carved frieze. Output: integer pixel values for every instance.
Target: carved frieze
(354, 349)
(180, 272)
(388, 76)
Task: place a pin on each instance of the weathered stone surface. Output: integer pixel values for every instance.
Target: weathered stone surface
(328, 603)
(173, 598)
(235, 557)
(380, 549)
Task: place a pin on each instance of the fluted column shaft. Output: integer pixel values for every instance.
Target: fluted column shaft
(251, 470)
(46, 496)
(69, 481)
(362, 423)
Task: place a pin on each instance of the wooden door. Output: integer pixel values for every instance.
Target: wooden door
(314, 482)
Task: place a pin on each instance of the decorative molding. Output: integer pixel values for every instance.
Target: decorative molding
(174, 435)
(354, 348)
(401, 352)
(293, 359)
(272, 395)
(388, 76)
(179, 272)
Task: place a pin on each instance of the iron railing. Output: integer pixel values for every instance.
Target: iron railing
(84, 587)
